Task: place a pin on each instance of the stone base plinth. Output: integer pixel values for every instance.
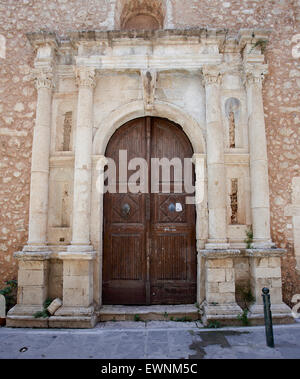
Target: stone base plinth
(224, 314)
(73, 317)
(281, 314)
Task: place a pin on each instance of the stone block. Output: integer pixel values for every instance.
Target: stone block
(80, 268)
(227, 287)
(216, 275)
(274, 262)
(32, 277)
(32, 295)
(266, 272)
(219, 263)
(33, 265)
(229, 275)
(76, 282)
(76, 297)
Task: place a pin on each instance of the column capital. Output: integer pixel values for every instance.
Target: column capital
(211, 74)
(43, 77)
(85, 76)
(255, 73)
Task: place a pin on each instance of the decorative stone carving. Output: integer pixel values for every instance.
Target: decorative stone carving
(211, 75)
(234, 201)
(149, 85)
(85, 76)
(43, 77)
(255, 73)
(67, 128)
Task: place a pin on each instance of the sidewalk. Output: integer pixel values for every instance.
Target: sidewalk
(151, 340)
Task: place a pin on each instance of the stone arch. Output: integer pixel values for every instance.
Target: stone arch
(130, 111)
(140, 14)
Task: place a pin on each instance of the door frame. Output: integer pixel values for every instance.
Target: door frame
(105, 130)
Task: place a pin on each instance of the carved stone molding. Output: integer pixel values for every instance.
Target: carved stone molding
(43, 77)
(255, 73)
(149, 86)
(85, 76)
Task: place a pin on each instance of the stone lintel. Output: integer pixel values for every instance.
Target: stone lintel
(72, 255)
(33, 255)
(38, 39)
(252, 36)
(219, 253)
(264, 253)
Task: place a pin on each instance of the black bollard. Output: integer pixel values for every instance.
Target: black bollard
(268, 317)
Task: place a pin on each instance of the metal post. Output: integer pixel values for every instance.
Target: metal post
(268, 317)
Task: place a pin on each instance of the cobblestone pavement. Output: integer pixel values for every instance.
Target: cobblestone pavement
(151, 340)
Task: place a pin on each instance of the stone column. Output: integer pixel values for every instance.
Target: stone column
(260, 207)
(217, 230)
(265, 271)
(34, 259)
(39, 186)
(83, 161)
(78, 261)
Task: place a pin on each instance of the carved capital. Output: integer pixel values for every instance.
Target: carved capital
(43, 77)
(85, 76)
(255, 73)
(211, 75)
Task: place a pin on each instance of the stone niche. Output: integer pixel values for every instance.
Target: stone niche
(140, 14)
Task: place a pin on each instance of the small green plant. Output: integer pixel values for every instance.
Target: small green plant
(243, 317)
(10, 293)
(166, 315)
(183, 319)
(44, 313)
(249, 239)
(214, 325)
(172, 318)
(137, 318)
(260, 43)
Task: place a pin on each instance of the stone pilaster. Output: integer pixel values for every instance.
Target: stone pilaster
(220, 304)
(83, 160)
(265, 271)
(217, 229)
(260, 206)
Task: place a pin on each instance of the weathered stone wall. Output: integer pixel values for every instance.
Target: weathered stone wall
(18, 99)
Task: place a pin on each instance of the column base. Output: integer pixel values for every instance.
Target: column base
(217, 245)
(224, 314)
(281, 314)
(73, 317)
(21, 316)
(262, 244)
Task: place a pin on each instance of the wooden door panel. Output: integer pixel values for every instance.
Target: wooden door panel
(152, 228)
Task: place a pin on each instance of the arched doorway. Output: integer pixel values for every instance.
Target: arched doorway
(149, 243)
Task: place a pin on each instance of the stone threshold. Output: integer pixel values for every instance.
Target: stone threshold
(181, 312)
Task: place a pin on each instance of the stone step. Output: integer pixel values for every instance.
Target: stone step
(182, 312)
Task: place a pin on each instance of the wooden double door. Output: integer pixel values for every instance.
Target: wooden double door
(149, 254)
